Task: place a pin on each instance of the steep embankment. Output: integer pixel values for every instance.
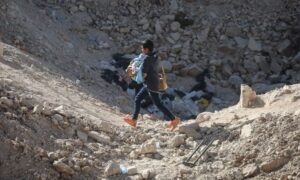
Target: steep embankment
(46, 135)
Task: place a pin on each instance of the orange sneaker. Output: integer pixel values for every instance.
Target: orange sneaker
(173, 124)
(130, 121)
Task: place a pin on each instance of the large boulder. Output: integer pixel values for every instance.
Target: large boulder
(248, 98)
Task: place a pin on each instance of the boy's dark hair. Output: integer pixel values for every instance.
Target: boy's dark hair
(148, 44)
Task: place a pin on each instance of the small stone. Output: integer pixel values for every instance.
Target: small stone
(86, 169)
(173, 6)
(175, 26)
(250, 170)
(204, 34)
(37, 109)
(134, 155)
(235, 81)
(5, 102)
(176, 141)
(202, 117)
(254, 45)
(82, 7)
(63, 168)
(148, 147)
(190, 129)
(167, 66)
(194, 70)
(274, 165)
(250, 66)
(246, 131)
(233, 31)
(82, 135)
(275, 67)
(175, 36)
(241, 42)
(101, 138)
(59, 118)
(112, 168)
(124, 30)
(158, 28)
(148, 174)
(262, 63)
(132, 170)
(53, 156)
(283, 45)
(178, 65)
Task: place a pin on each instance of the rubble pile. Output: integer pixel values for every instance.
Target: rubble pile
(239, 42)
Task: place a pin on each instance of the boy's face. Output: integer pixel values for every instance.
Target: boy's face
(145, 50)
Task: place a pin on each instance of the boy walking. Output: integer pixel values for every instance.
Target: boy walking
(150, 70)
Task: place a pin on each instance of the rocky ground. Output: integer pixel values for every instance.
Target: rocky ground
(60, 120)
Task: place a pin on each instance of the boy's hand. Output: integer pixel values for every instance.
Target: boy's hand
(144, 75)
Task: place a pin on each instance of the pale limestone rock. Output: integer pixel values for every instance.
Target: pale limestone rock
(248, 98)
(132, 170)
(112, 168)
(5, 102)
(101, 138)
(37, 109)
(274, 165)
(148, 147)
(246, 131)
(250, 170)
(63, 168)
(205, 116)
(176, 141)
(190, 129)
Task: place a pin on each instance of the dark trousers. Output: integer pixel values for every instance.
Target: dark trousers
(142, 94)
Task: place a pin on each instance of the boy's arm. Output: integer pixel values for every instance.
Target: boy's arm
(146, 67)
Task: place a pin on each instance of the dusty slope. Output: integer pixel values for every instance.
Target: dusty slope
(56, 124)
(74, 142)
